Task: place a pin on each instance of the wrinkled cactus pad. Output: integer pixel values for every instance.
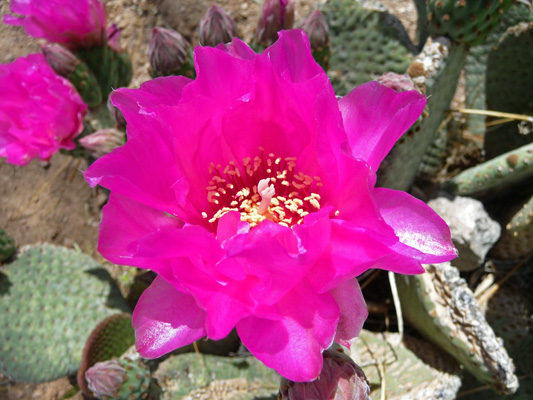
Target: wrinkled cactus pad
(50, 300)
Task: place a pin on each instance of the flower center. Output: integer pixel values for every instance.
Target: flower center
(266, 188)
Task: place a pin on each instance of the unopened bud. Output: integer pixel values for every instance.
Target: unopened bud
(341, 379)
(117, 115)
(217, 27)
(61, 59)
(113, 37)
(105, 378)
(276, 15)
(400, 83)
(168, 52)
(102, 142)
(316, 29)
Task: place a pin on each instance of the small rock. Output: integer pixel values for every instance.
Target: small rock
(473, 231)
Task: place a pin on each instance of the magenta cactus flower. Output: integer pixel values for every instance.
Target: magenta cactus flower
(40, 111)
(75, 24)
(250, 192)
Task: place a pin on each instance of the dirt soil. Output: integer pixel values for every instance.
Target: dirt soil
(53, 203)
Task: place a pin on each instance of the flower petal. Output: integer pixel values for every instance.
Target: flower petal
(375, 117)
(291, 56)
(291, 341)
(416, 225)
(352, 250)
(125, 223)
(166, 319)
(353, 311)
(144, 169)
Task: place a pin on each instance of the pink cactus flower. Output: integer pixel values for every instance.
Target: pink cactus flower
(250, 191)
(75, 24)
(40, 111)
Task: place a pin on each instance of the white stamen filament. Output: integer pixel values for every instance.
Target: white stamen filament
(266, 192)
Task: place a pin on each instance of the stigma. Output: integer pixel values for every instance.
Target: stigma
(265, 187)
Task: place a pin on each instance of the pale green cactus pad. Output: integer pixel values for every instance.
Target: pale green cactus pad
(465, 21)
(509, 313)
(365, 43)
(412, 369)
(199, 376)
(50, 300)
(509, 87)
(517, 237)
(435, 72)
(495, 175)
(441, 307)
(476, 64)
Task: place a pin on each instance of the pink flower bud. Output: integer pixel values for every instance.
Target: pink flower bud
(75, 24)
(105, 378)
(341, 379)
(217, 27)
(276, 15)
(168, 51)
(62, 60)
(102, 142)
(113, 37)
(316, 28)
(397, 82)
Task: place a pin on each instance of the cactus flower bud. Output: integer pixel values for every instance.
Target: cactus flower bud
(62, 60)
(316, 29)
(105, 378)
(113, 37)
(168, 52)
(276, 15)
(217, 27)
(102, 142)
(341, 379)
(397, 82)
(118, 117)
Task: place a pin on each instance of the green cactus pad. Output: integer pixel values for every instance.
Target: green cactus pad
(7, 246)
(211, 376)
(365, 43)
(476, 64)
(509, 85)
(86, 84)
(112, 69)
(465, 21)
(138, 380)
(441, 307)
(496, 175)
(412, 369)
(509, 313)
(516, 240)
(435, 71)
(50, 300)
(111, 338)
